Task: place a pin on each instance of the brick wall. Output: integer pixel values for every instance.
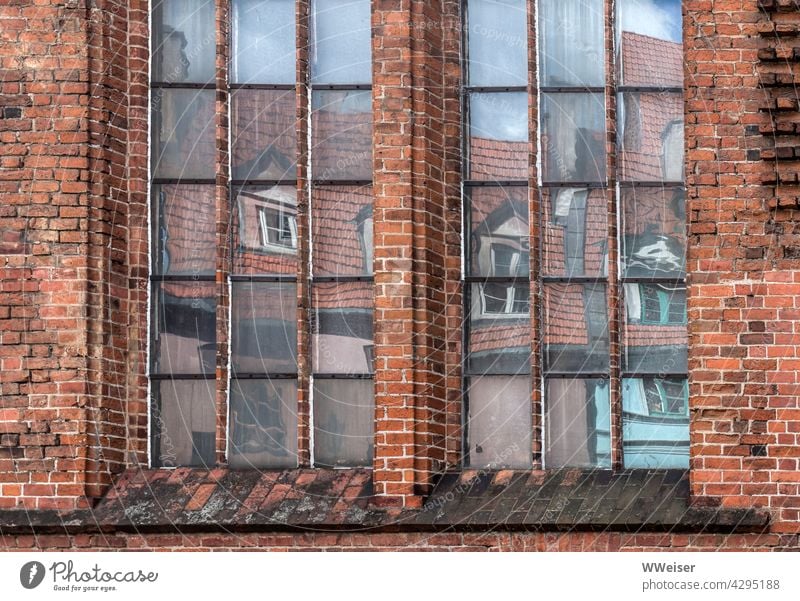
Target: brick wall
(492, 541)
(744, 286)
(55, 317)
(73, 278)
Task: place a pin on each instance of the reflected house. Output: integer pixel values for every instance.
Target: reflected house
(184, 248)
(655, 405)
(265, 241)
(185, 314)
(499, 322)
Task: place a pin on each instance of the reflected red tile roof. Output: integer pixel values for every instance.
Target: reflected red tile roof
(497, 159)
(335, 229)
(344, 295)
(645, 126)
(596, 232)
(649, 335)
(341, 145)
(499, 336)
(565, 314)
(651, 61)
(648, 61)
(249, 255)
(264, 134)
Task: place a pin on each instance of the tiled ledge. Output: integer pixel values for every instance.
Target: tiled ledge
(195, 500)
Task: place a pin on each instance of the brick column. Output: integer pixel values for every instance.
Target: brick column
(63, 230)
(409, 184)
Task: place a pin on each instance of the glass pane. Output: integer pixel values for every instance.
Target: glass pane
(576, 328)
(342, 230)
(264, 327)
(344, 417)
(263, 429)
(184, 334)
(655, 423)
(183, 133)
(654, 232)
(578, 423)
(500, 235)
(263, 33)
(184, 229)
(341, 328)
(264, 230)
(650, 44)
(499, 329)
(264, 134)
(650, 137)
(184, 423)
(341, 47)
(341, 135)
(655, 333)
(498, 43)
(571, 49)
(575, 232)
(500, 422)
(498, 141)
(184, 41)
(573, 137)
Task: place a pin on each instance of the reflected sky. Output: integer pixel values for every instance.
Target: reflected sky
(657, 18)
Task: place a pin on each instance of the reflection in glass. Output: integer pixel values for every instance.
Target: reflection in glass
(575, 328)
(183, 131)
(571, 49)
(342, 341)
(263, 427)
(341, 50)
(264, 230)
(263, 36)
(184, 334)
(499, 339)
(500, 240)
(650, 136)
(184, 41)
(341, 135)
(659, 19)
(655, 336)
(344, 416)
(654, 232)
(575, 232)
(263, 134)
(498, 142)
(342, 230)
(498, 42)
(578, 422)
(184, 229)
(184, 422)
(500, 422)
(264, 327)
(644, 60)
(573, 137)
(655, 423)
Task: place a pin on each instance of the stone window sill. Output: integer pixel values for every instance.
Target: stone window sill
(195, 500)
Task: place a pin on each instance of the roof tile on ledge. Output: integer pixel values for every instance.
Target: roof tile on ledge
(187, 500)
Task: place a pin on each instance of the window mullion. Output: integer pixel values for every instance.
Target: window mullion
(615, 305)
(303, 94)
(222, 21)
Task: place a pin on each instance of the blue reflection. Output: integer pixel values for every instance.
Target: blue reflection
(656, 18)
